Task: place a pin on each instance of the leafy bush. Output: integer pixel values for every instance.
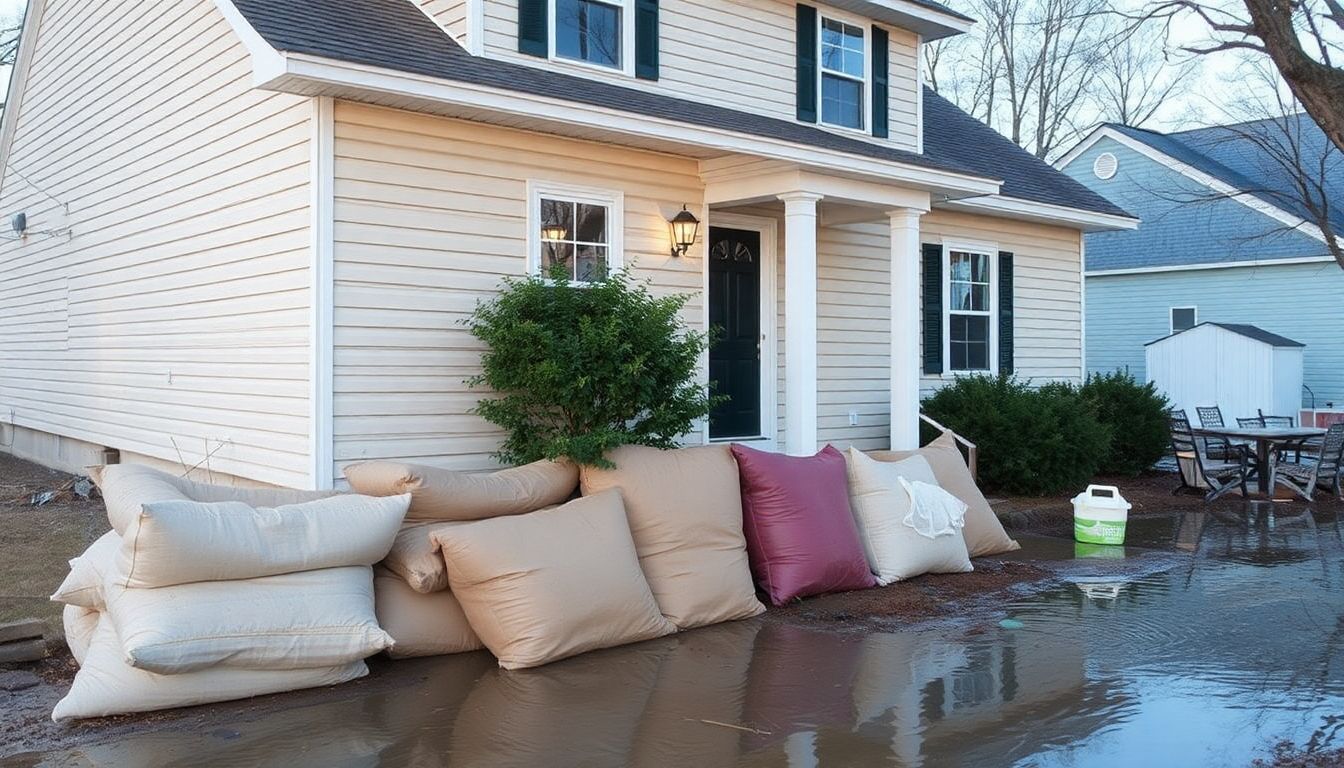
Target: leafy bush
(577, 370)
(1136, 415)
(1031, 441)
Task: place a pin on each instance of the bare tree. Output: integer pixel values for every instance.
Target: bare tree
(1303, 38)
(1138, 77)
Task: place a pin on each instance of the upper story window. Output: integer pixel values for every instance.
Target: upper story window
(578, 230)
(844, 74)
(591, 31)
(1184, 318)
(970, 310)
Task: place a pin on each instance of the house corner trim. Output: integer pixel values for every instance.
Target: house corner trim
(321, 301)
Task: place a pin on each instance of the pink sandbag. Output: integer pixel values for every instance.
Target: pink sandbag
(801, 537)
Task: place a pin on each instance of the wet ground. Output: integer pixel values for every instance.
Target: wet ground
(1213, 639)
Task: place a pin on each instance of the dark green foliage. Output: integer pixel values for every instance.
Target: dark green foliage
(1031, 441)
(1136, 415)
(579, 369)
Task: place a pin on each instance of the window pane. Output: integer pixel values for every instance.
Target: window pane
(841, 101)
(960, 266)
(557, 213)
(979, 298)
(960, 297)
(588, 30)
(969, 342)
(556, 253)
(1182, 319)
(958, 361)
(592, 262)
(832, 32)
(854, 63)
(980, 267)
(592, 226)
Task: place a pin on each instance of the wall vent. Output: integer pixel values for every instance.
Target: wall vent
(1105, 165)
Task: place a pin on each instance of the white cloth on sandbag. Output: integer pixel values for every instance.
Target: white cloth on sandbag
(79, 624)
(107, 685)
(179, 542)
(83, 586)
(296, 620)
(933, 511)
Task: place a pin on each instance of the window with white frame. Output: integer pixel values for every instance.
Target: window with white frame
(970, 310)
(844, 74)
(591, 31)
(1183, 318)
(574, 230)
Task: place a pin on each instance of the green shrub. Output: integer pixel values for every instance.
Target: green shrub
(1136, 415)
(577, 370)
(1031, 441)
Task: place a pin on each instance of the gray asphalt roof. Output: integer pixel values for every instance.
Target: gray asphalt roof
(394, 34)
(1249, 331)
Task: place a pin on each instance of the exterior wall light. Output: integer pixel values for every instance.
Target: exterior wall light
(684, 227)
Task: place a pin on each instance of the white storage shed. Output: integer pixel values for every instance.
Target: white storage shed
(1240, 368)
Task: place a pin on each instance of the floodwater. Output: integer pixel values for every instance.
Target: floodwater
(1204, 656)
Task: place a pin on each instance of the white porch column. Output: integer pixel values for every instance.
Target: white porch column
(905, 362)
(800, 323)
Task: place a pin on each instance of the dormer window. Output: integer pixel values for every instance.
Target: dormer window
(590, 31)
(844, 74)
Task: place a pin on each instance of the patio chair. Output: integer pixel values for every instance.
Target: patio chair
(1288, 422)
(1304, 478)
(1254, 422)
(1216, 447)
(1220, 475)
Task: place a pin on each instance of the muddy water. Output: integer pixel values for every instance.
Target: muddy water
(1206, 656)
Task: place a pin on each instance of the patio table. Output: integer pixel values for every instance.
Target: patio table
(1265, 438)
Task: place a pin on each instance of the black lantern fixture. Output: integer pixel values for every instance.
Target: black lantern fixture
(684, 228)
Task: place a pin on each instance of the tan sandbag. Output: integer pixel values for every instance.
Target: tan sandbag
(420, 624)
(79, 624)
(83, 586)
(128, 487)
(894, 547)
(983, 532)
(297, 620)
(552, 584)
(179, 542)
(416, 559)
(107, 685)
(444, 494)
(685, 513)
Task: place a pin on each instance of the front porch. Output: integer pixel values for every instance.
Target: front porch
(836, 317)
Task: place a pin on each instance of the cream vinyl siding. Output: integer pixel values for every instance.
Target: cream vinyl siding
(431, 214)
(450, 14)
(739, 54)
(172, 322)
(1047, 292)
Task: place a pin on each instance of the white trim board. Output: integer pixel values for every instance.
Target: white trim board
(769, 319)
(1017, 208)
(1194, 174)
(1216, 265)
(321, 299)
(18, 79)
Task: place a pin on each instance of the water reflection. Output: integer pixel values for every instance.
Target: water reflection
(1206, 661)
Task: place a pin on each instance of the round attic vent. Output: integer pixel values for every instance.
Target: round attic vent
(1105, 165)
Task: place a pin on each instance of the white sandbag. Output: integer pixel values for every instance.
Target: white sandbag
(79, 624)
(107, 685)
(421, 624)
(296, 620)
(84, 584)
(900, 540)
(179, 542)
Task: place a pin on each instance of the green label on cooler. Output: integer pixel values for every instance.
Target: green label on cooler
(1098, 531)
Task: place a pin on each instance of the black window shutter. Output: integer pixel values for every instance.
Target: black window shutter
(533, 28)
(881, 75)
(807, 64)
(646, 39)
(1005, 312)
(933, 309)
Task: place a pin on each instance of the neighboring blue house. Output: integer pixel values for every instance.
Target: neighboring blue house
(1224, 238)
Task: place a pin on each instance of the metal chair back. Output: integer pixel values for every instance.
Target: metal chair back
(1277, 421)
(1253, 422)
(1332, 451)
(1210, 416)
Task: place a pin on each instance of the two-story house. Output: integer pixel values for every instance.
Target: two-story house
(1228, 236)
(251, 228)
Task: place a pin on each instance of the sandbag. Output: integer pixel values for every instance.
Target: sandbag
(126, 488)
(685, 514)
(415, 558)
(444, 494)
(553, 584)
(179, 542)
(800, 532)
(79, 624)
(297, 620)
(984, 533)
(421, 624)
(83, 586)
(107, 685)
(884, 513)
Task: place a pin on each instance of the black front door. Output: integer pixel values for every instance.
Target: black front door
(735, 311)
